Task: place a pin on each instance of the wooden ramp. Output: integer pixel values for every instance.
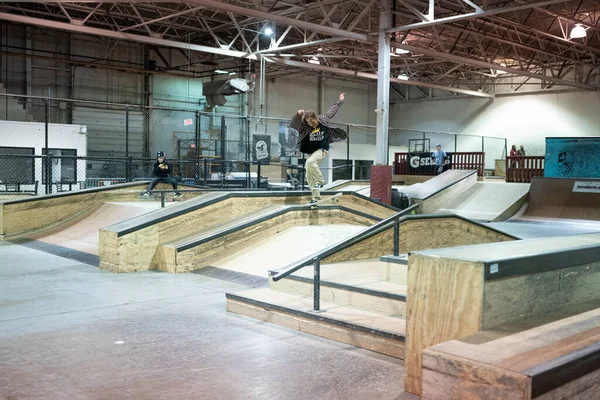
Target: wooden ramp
(559, 198)
(81, 235)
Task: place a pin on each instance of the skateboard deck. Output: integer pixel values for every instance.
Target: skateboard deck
(333, 199)
(156, 197)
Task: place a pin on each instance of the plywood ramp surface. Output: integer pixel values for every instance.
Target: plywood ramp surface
(83, 235)
(555, 198)
(488, 201)
(286, 247)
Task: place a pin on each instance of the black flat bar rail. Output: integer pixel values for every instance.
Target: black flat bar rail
(315, 260)
(395, 221)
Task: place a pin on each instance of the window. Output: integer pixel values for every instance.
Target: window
(63, 167)
(363, 170)
(341, 170)
(17, 169)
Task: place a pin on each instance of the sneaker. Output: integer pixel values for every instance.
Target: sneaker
(318, 186)
(178, 195)
(313, 201)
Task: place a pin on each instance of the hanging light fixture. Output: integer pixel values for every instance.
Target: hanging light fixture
(578, 32)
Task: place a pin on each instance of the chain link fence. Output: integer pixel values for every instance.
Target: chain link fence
(29, 174)
(50, 145)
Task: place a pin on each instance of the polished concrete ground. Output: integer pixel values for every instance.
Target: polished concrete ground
(71, 331)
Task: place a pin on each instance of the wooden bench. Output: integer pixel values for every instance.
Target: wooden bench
(558, 360)
(457, 292)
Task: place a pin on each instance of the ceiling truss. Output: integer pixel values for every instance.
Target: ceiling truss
(441, 47)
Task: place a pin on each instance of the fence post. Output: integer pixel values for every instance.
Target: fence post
(396, 237)
(317, 285)
(348, 168)
(46, 140)
(197, 152)
(129, 169)
(49, 160)
(223, 136)
(128, 166)
(258, 175)
(205, 171)
(248, 176)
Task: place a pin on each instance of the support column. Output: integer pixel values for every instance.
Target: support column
(383, 85)
(381, 172)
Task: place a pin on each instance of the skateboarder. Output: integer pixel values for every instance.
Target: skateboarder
(161, 172)
(439, 156)
(315, 135)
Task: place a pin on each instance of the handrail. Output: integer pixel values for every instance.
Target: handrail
(395, 219)
(366, 233)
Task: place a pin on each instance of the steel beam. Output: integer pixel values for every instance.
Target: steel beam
(484, 64)
(122, 36)
(475, 14)
(366, 75)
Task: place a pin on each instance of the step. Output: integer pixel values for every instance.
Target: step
(360, 284)
(361, 328)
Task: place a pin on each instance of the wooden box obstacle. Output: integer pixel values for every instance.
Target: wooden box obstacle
(454, 293)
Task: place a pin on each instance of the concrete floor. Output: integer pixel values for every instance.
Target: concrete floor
(71, 331)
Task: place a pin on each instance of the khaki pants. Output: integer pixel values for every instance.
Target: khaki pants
(313, 172)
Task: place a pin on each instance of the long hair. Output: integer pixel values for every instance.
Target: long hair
(310, 115)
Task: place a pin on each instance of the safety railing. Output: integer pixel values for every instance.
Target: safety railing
(420, 163)
(315, 259)
(523, 168)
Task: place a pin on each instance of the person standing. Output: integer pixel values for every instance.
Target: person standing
(161, 172)
(521, 151)
(439, 157)
(513, 153)
(315, 135)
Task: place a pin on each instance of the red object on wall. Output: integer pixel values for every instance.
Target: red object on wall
(381, 183)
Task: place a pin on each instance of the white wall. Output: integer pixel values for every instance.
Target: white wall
(32, 135)
(526, 119)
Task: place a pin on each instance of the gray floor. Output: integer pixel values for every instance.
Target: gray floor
(71, 331)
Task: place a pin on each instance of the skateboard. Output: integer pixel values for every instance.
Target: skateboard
(156, 197)
(333, 199)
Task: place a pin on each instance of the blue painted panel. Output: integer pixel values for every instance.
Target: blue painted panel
(572, 157)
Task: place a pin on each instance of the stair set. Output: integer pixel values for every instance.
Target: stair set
(361, 303)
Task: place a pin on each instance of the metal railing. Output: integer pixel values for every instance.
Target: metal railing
(47, 174)
(315, 259)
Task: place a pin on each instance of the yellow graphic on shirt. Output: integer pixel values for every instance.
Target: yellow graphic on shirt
(316, 135)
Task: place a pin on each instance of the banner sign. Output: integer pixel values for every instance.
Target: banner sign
(586, 187)
(261, 148)
(572, 158)
(287, 140)
(421, 163)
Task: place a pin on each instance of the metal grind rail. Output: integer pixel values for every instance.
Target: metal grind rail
(315, 260)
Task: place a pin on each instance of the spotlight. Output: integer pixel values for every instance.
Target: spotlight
(268, 31)
(578, 32)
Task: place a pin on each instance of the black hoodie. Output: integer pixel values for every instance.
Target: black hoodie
(159, 172)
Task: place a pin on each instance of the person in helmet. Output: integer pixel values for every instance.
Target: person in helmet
(161, 172)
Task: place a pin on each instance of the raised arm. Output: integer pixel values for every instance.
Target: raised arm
(335, 107)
